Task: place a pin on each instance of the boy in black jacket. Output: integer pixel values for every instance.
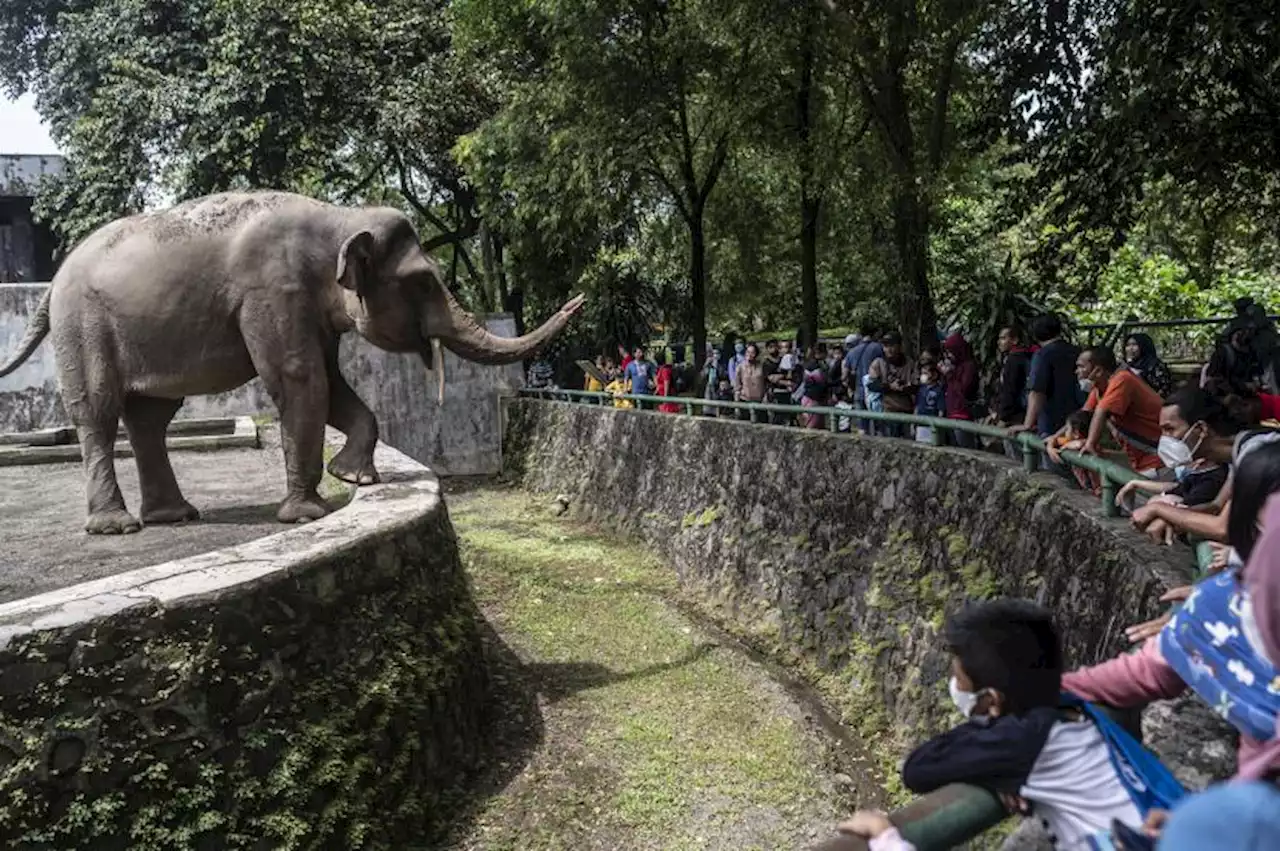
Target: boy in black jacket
(1016, 742)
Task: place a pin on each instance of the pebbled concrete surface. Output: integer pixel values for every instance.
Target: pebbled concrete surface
(43, 545)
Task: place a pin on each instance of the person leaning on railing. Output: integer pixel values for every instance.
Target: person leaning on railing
(749, 379)
(1213, 644)
(1123, 404)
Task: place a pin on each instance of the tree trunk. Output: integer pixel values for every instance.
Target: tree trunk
(501, 266)
(917, 315)
(810, 200)
(809, 210)
(489, 281)
(698, 285)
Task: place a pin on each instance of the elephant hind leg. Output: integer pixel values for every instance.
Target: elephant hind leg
(97, 424)
(147, 419)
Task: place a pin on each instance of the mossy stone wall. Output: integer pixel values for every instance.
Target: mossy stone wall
(842, 555)
(343, 705)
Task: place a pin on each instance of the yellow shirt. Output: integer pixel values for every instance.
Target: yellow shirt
(617, 388)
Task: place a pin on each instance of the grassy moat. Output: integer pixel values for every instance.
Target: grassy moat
(654, 735)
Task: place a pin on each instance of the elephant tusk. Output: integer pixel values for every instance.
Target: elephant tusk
(437, 355)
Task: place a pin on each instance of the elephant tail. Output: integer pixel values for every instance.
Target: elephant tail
(37, 330)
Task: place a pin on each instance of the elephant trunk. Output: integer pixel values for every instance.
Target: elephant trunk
(463, 335)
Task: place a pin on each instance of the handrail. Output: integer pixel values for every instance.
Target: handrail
(1112, 476)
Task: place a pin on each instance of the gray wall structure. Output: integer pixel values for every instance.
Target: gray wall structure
(26, 247)
(461, 437)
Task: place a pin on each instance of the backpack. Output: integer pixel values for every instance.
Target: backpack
(1150, 785)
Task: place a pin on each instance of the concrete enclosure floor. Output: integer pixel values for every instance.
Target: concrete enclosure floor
(43, 545)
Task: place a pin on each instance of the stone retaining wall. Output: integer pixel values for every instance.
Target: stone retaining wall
(324, 687)
(843, 554)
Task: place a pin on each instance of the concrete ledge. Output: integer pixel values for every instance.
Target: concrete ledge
(320, 684)
(60, 446)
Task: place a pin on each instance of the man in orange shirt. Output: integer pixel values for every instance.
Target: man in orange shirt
(1124, 403)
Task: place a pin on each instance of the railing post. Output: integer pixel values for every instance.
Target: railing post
(1030, 457)
(937, 437)
(752, 411)
(1109, 507)
(688, 409)
(832, 423)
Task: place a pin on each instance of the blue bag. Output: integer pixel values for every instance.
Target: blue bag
(1150, 785)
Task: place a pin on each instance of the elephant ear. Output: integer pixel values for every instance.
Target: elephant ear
(355, 262)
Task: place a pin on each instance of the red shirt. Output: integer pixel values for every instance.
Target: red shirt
(1270, 406)
(1134, 410)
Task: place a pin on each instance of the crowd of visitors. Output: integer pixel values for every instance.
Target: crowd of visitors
(1207, 454)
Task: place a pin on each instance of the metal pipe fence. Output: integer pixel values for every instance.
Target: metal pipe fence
(1111, 476)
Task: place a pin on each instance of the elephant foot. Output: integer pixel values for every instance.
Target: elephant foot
(179, 512)
(354, 467)
(113, 521)
(302, 509)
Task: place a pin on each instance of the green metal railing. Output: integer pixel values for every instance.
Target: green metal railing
(1111, 475)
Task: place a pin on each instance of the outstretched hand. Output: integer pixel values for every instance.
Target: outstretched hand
(865, 823)
(571, 307)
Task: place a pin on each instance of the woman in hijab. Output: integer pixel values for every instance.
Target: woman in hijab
(1142, 360)
(960, 373)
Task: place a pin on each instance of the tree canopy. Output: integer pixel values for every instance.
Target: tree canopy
(701, 165)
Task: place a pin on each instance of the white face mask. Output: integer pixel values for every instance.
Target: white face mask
(1176, 452)
(965, 701)
(1086, 384)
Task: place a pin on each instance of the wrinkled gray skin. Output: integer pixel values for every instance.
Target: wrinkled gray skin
(202, 297)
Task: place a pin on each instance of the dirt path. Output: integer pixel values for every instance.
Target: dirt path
(654, 735)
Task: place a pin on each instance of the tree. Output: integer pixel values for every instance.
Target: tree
(632, 89)
(341, 99)
(1180, 101)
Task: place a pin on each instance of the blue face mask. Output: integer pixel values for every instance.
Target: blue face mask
(739, 347)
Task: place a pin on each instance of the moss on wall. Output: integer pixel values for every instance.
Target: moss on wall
(842, 556)
(341, 707)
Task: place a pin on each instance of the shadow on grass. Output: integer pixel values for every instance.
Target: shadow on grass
(558, 680)
(516, 726)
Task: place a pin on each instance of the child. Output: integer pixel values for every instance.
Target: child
(930, 399)
(617, 388)
(1022, 739)
(1073, 439)
(839, 399)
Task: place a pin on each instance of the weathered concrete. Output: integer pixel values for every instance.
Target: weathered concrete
(44, 545)
(323, 687)
(843, 554)
(460, 437)
(59, 445)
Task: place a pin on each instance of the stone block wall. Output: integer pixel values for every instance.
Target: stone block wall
(460, 437)
(843, 554)
(325, 687)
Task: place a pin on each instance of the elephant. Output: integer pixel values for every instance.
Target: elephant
(203, 296)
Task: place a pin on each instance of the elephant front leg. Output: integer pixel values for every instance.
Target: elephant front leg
(302, 418)
(295, 377)
(349, 414)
